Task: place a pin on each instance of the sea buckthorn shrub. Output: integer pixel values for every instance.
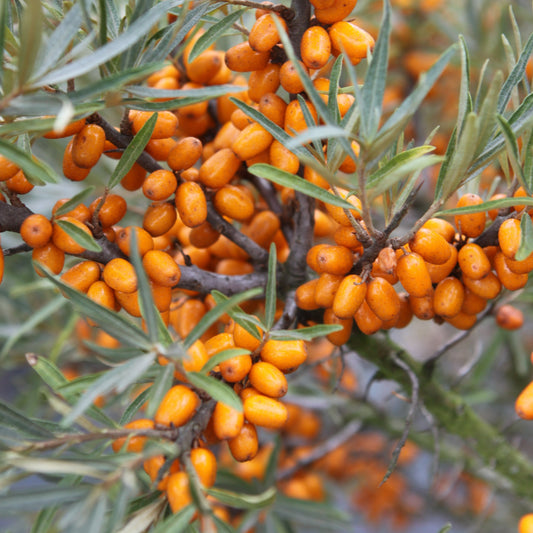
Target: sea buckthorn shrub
(264, 264)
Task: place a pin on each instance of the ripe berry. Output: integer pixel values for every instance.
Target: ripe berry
(64, 241)
(165, 125)
(72, 171)
(219, 169)
(367, 321)
(509, 236)
(295, 119)
(509, 317)
(177, 406)
(338, 338)
(336, 11)
(50, 256)
(251, 141)
(473, 261)
(261, 82)
(82, 275)
(524, 403)
(161, 268)
(413, 275)
(243, 58)
(36, 230)
(473, 224)
(233, 202)
(185, 153)
(244, 445)
(349, 297)
(227, 422)
(236, 368)
(134, 444)
(265, 412)
(285, 355)
(205, 464)
(88, 146)
(110, 211)
(159, 185)
(178, 491)
(159, 218)
(264, 34)
(487, 287)
(120, 275)
(144, 240)
(191, 204)
(432, 246)
(315, 47)
(268, 379)
(448, 297)
(349, 39)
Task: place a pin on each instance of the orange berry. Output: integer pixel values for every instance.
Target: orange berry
(246, 340)
(236, 368)
(165, 125)
(185, 153)
(203, 236)
(526, 524)
(367, 321)
(462, 321)
(334, 260)
(264, 34)
(7, 168)
(205, 464)
(321, 4)
(439, 272)
(524, 403)
(111, 210)
(160, 149)
(177, 406)
(243, 58)
(472, 303)
(134, 444)
(19, 183)
(265, 412)
(88, 146)
(406, 313)
(285, 355)
(315, 47)
(227, 422)
(336, 11)
(274, 108)
(282, 158)
(413, 275)
(349, 39)
(261, 82)
(144, 240)
(383, 299)
(178, 491)
(72, 171)
(422, 307)
(473, 261)
(471, 225)
(49, 256)
(219, 169)
(349, 296)
(159, 218)
(442, 227)
(233, 202)
(161, 268)
(289, 77)
(432, 246)
(305, 295)
(64, 241)
(326, 289)
(294, 118)
(159, 185)
(134, 178)
(120, 275)
(338, 338)
(487, 287)
(509, 279)
(36, 230)
(509, 237)
(244, 445)
(101, 293)
(82, 275)
(268, 379)
(67, 131)
(191, 204)
(346, 236)
(449, 297)
(509, 317)
(205, 66)
(251, 141)
(338, 213)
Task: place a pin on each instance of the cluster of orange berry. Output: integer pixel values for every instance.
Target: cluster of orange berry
(445, 273)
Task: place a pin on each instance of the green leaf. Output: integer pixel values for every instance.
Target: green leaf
(37, 172)
(74, 201)
(485, 206)
(30, 325)
(526, 240)
(222, 356)
(36, 499)
(374, 86)
(134, 406)
(512, 150)
(487, 113)
(132, 152)
(212, 316)
(244, 501)
(445, 528)
(247, 322)
(306, 334)
(314, 133)
(528, 164)
(110, 321)
(271, 289)
(298, 184)
(214, 33)
(515, 76)
(216, 389)
(125, 41)
(398, 167)
(464, 93)
(3, 25)
(175, 523)
(81, 237)
(31, 31)
(318, 515)
(12, 418)
(117, 379)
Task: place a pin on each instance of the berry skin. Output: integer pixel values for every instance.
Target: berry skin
(264, 34)
(185, 153)
(487, 287)
(178, 491)
(315, 47)
(326, 288)
(243, 58)
(439, 272)
(19, 183)
(49, 256)
(244, 446)
(462, 321)
(261, 82)
(509, 236)
(251, 141)
(219, 169)
(233, 202)
(165, 125)
(67, 131)
(88, 146)
(367, 321)
(383, 299)
(159, 218)
(473, 224)
(274, 108)
(349, 296)
(472, 303)
(161, 268)
(64, 241)
(120, 275)
(333, 259)
(336, 11)
(509, 279)
(191, 204)
(442, 227)
(524, 403)
(338, 338)
(473, 261)
(305, 295)
(509, 317)
(72, 171)
(236, 368)
(422, 307)
(134, 444)
(265, 412)
(177, 406)
(289, 77)
(448, 297)
(144, 240)
(227, 422)
(111, 210)
(432, 246)
(294, 117)
(413, 275)
(268, 379)
(350, 39)
(159, 185)
(205, 464)
(7, 168)
(285, 355)
(526, 524)
(338, 214)
(82, 275)
(36, 230)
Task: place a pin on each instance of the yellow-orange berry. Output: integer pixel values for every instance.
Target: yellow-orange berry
(165, 125)
(219, 169)
(134, 444)
(509, 236)
(336, 11)
(159, 185)
(349, 39)
(64, 241)
(473, 224)
(295, 119)
(442, 227)
(251, 141)
(191, 204)
(432, 246)
(82, 275)
(72, 171)
(49, 256)
(285, 355)
(349, 296)
(243, 58)
(36, 230)
(473, 261)
(315, 47)
(261, 82)
(161, 268)
(264, 33)
(7, 168)
(19, 183)
(488, 287)
(236, 368)
(338, 338)
(227, 422)
(526, 524)
(448, 297)
(88, 145)
(233, 202)
(120, 275)
(244, 445)
(101, 293)
(159, 218)
(413, 275)
(508, 278)
(185, 153)
(67, 131)
(205, 464)
(144, 240)
(289, 77)
(367, 321)
(178, 491)
(268, 379)
(110, 211)
(274, 108)
(524, 403)
(177, 406)
(383, 299)
(509, 317)
(305, 295)
(266, 412)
